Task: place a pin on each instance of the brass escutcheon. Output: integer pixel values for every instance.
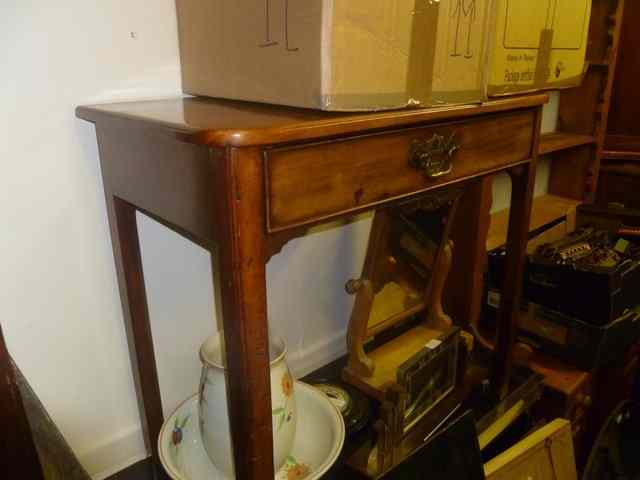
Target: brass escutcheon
(434, 157)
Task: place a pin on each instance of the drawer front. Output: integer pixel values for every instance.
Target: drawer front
(305, 184)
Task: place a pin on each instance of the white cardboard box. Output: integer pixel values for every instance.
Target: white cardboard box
(336, 54)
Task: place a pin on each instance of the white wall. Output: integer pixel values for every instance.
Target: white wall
(59, 305)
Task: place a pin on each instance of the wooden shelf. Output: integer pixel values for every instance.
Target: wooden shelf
(557, 141)
(546, 209)
(620, 155)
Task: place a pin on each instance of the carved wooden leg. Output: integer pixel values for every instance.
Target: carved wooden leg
(436, 317)
(242, 256)
(523, 179)
(359, 365)
(126, 249)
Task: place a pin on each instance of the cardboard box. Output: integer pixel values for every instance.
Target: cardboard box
(344, 55)
(538, 45)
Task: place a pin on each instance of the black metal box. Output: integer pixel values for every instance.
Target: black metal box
(596, 296)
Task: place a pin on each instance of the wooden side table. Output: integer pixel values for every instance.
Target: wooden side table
(242, 179)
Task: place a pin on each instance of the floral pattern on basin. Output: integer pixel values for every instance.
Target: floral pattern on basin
(284, 414)
(293, 470)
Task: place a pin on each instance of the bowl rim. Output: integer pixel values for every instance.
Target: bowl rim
(318, 473)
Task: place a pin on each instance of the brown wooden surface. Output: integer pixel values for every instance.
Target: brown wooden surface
(241, 250)
(389, 357)
(632, 153)
(218, 122)
(151, 162)
(545, 209)
(620, 183)
(519, 221)
(126, 249)
(463, 295)
(317, 182)
(625, 97)
(546, 454)
(584, 110)
(558, 141)
(18, 455)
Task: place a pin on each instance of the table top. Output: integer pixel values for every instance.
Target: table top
(218, 122)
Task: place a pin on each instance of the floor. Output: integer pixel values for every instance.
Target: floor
(139, 471)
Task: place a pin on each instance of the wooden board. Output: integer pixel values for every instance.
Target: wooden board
(558, 141)
(390, 356)
(546, 209)
(547, 454)
(558, 375)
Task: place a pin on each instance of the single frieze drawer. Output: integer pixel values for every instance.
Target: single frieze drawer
(310, 183)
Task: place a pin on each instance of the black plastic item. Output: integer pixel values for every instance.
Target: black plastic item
(579, 343)
(356, 408)
(615, 452)
(453, 453)
(596, 297)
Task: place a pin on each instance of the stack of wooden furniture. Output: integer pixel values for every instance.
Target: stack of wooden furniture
(595, 147)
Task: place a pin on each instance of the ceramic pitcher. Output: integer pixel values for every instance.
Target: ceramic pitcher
(214, 419)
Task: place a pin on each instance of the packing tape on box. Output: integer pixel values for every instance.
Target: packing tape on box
(421, 59)
(422, 53)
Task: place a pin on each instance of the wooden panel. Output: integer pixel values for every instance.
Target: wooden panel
(557, 141)
(315, 182)
(178, 178)
(546, 209)
(574, 176)
(546, 454)
(620, 183)
(625, 97)
(219, 122)
(389, 357)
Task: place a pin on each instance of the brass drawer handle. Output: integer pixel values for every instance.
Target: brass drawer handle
(434, 157)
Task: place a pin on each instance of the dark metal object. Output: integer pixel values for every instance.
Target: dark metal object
(434, 156)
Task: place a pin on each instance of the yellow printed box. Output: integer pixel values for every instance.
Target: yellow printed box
(538, 45)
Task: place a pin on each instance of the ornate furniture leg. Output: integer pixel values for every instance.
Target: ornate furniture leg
(436, 316)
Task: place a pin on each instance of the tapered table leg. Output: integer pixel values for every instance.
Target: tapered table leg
(242, 257)
(126, 249)
(523, 180)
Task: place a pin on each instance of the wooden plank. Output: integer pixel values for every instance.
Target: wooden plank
(546, 209)
(546, 454)
(558, 141)
(621, 155)
(390, 356)
(219, 122)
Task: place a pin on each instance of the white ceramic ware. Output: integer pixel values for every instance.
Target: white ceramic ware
(213, 414)
(319, 438)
